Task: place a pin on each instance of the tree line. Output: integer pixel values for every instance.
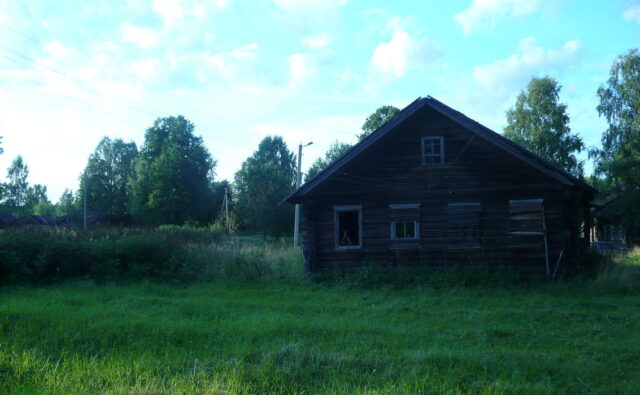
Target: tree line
(171, 178)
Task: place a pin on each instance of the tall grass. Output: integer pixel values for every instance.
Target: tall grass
(168, 253)
(621, 275)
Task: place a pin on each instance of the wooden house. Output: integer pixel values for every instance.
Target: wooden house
(433, 188)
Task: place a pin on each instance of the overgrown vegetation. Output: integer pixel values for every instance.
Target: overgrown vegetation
(621, 274)
(167, 253)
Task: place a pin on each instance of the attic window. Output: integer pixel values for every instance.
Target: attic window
(348, 226)
(433, 151)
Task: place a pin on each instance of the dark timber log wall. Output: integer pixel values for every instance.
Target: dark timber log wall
(475, 171)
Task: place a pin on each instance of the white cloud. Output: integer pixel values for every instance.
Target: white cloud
(311, 10)
(392, 59)
(301, 69)
(632, 13)
(317, 42)
(482, 11)
(308, 5)
(170, 11)
(145, 38)
(228, 63)
(146, 68)
(56, 49)
(502, 77)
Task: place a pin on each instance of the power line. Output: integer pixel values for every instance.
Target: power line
(62, 74)
(172, 102)
(73, 98)
(84, 85)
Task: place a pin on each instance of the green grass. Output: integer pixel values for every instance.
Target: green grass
(309, 338)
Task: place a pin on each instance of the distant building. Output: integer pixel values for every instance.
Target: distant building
(42, 220)
(6, 219)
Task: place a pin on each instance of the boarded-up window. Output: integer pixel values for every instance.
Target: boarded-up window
(463, 225)
(526, 223)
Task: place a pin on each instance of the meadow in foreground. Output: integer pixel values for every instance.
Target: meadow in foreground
(227, 337)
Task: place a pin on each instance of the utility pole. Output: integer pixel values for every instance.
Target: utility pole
(84, 209)
(296, 227)
(226, 209)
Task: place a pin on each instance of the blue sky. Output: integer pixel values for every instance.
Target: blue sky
(72, 72)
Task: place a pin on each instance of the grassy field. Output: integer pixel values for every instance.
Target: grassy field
(310, 338)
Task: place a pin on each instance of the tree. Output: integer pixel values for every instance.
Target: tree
(619, 158)
(336, 150)
(44, 207)
(108, 171)
(379, 117)
(264, 179)
(17, 189)
(66, 204)
(540, 123)
(36, 195)
(172, 174)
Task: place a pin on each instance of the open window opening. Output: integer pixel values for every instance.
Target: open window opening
(348, 226)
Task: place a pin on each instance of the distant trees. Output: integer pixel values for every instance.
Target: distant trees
(540, 123)
(66, 204)
(173, 174)
(374, 121)
(336, 150)
(379, 117)
(17, 188)
(19, 198)
(37, 200)
(109, 169)
(264, 179)
(619, 158)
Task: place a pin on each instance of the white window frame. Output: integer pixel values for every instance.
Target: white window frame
(416, 231)
(336, 228)
(440, 155)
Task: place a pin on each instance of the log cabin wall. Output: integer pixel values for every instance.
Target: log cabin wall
(462, 207)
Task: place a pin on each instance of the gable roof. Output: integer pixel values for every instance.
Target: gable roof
(469, 124)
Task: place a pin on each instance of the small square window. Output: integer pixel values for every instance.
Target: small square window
(433, 151)
(404, 230)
